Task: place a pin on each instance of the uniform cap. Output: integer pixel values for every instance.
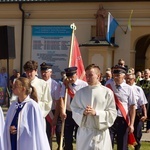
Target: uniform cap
(119, 69)
(45, 66)
(70, 71)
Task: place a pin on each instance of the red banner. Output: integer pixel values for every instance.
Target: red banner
(76, 60)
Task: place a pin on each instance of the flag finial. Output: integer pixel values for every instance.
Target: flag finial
(73, 26)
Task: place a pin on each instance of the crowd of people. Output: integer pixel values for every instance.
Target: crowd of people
(96, 112)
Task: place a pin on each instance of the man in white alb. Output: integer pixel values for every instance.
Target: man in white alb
(94, 110)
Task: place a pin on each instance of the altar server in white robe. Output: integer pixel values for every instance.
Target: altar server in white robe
(42, 88)
(24, 126)
(1, 130)
(94, 110)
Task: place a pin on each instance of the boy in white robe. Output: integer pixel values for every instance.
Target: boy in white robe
(94, 111)
(42, 88)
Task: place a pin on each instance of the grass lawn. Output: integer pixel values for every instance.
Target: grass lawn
(144, 145)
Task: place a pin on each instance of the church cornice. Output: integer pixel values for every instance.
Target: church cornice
(63, 1)
(75, 10)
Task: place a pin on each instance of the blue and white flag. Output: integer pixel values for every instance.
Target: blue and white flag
(111, 26)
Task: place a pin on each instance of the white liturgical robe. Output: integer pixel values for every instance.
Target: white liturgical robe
(30, 129)
(93, 132)
(43, 93)
(1, 130)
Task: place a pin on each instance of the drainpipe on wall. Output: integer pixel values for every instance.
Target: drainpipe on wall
(22, 37)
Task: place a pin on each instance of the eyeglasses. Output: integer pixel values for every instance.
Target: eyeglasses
(129, 78)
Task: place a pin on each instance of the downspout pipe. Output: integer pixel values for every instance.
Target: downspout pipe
(22, 37)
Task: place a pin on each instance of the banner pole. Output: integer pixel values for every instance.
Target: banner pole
(73, 27)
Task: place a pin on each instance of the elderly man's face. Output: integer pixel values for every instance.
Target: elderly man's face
(46, 74)
(147, 74)
(72, 78)
(129, 79)
(118, 78)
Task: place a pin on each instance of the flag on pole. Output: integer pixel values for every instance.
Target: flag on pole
(49, 118)
(111, 26)
(76, 60)
(129, 21)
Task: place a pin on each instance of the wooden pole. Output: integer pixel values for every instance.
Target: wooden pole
(73, 27)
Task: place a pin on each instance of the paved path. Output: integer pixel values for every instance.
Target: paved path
(145, 137)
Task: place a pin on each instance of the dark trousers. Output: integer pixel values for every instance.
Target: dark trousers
(119, 131)
(138, 132)
(48, 132)
(57, 131)
(148, 125)
(70, 126)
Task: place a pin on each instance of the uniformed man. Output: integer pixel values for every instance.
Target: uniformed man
(125, 97)
(52, 119)
(141, 112)
(73, 84)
